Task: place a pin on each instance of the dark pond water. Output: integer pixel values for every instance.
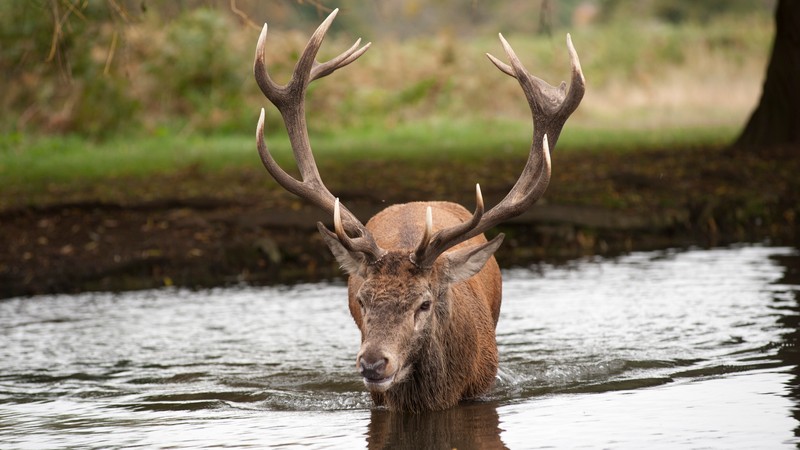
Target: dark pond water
(690, 349)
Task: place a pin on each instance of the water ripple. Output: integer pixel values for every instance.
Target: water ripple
(112, 370)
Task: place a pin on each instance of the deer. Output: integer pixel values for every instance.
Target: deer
(424, 287)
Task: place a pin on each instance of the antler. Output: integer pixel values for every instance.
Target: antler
(551, 107)
(290, 101)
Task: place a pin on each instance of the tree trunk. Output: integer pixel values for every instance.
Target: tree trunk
(776, 120)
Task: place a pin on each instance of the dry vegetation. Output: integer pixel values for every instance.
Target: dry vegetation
(190, 71)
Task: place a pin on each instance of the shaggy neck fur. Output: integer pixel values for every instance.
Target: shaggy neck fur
(442, 366)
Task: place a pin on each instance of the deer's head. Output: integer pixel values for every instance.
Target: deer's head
(401, 298)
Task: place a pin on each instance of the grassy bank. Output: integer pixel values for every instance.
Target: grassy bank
(214, 217)
(38, 171)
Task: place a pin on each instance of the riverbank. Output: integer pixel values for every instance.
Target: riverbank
(199, 228)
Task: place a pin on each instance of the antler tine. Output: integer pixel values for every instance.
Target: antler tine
(303, 68)
(284, 179)
(426, 236)
(268, 87)
(427, 251)
(516, 64)
(505, 68)
(348, 56)
(363, 244)
(578, 86)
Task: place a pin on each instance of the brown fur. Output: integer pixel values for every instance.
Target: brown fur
(455, 357)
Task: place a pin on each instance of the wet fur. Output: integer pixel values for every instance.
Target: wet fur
(456, 357)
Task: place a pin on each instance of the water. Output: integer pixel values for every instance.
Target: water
(664, 349)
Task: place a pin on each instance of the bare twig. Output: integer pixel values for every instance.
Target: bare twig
(110, 56)
(56, 32)
(73, 9)
(120, 10)
(317, 4)
(243, 16)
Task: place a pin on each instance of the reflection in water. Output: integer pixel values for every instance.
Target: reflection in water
(788, 289)
(660, 349)
(473, 425)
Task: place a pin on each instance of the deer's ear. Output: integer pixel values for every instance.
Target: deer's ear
(351, 262)
(466, 262)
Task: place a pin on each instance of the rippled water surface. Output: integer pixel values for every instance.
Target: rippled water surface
(664, 349)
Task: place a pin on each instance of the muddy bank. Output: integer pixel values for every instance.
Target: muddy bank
(598, 204)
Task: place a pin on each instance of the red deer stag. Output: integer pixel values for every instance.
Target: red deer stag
(424, 287)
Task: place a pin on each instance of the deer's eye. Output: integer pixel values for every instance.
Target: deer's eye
(361, 303)
(426, 305)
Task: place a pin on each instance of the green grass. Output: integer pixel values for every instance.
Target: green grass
(30, 160)
(592, 139)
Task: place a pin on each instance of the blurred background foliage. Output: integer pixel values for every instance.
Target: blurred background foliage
(102, 67)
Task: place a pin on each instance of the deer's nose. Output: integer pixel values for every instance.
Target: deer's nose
(373, 368)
